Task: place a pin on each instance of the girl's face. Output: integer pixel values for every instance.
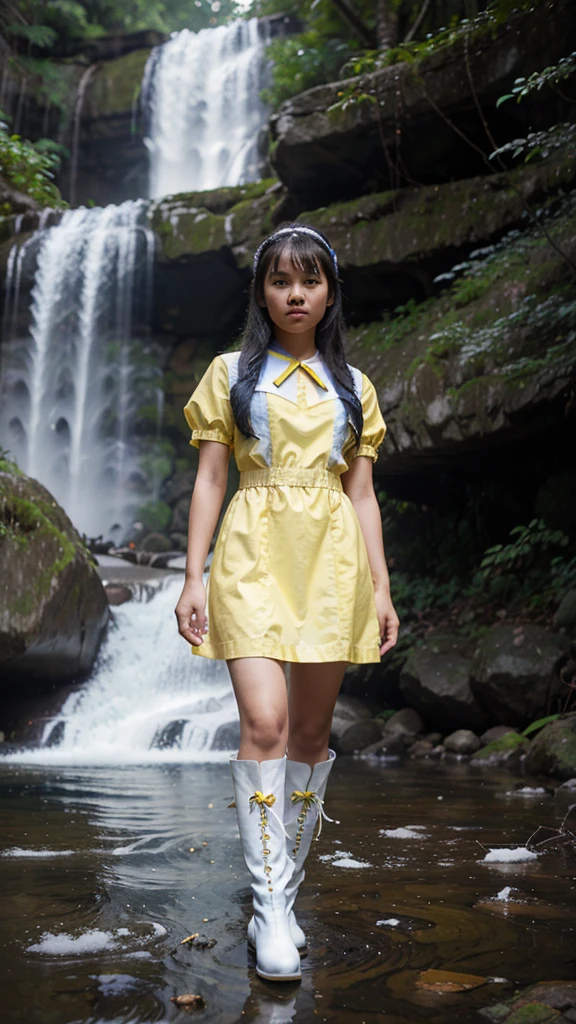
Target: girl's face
(296, 300)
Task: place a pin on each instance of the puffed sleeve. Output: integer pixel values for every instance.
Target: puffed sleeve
(208, 412)
(374, 429)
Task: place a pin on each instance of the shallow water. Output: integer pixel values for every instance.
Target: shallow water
(100, 887)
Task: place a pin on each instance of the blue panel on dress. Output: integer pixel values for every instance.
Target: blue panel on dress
(261, 426)
(341, 424)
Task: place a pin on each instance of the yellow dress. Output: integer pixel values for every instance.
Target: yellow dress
(290, 577)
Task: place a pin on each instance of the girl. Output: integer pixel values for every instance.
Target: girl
(298, 571)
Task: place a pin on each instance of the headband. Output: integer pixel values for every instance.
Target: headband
(295, 230)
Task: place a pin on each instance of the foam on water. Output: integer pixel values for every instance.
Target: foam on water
(410, 832)
(19, 851)
(509, 856)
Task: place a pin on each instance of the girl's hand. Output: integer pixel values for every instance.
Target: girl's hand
(387, 620)
(190, 613)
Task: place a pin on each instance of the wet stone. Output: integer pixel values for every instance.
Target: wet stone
(532, 1013)
(449, 981)
(422, 748)
(463, 741)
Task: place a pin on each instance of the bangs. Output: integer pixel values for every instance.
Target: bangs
(302, 252)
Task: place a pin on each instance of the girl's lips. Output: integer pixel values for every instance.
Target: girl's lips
(297, 312)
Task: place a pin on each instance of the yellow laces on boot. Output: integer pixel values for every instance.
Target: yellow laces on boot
(308, 799)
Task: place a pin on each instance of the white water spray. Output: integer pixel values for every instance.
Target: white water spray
(150, 699)
(65, 391)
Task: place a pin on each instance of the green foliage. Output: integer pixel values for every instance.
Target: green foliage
(536, 726)
(538, 143)
(30, 168)
(154, 516)
(528, 544)
(547, 77)
(510, 741)
(39, 35)
(301, 62)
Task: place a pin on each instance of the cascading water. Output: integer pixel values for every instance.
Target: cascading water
(201, 97)
(70, 389)
(149, 699)
(67, 390)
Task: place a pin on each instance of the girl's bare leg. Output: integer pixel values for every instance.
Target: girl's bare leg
(260, 689)
(313, 692)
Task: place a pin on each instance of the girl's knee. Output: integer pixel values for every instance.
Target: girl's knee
(309, 736)
(267, 732)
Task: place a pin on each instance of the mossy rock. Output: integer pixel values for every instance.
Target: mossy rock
(505, 745)
(53, 609)
(115, 86)
(553, 752)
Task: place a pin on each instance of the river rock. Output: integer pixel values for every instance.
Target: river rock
(553, 751)
(496, 733)
(565, 617)
(406, 722)
(117, 594)
(353, 727)
(227, 737)
(350, 738)
(421, 748)
(463, 741)
(53, 608)
(515, 671)
(565, 795)
(436, 680)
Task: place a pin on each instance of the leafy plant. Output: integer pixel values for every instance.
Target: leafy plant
(300, 62)
(530, 541)
(536, 726)
(538, 143)
(549, 76)
(30, 168)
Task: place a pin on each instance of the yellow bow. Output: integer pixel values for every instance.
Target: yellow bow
(307, 797)
(259, 798)
(293, 365)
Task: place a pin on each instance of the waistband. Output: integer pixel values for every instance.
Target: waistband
(289, 476)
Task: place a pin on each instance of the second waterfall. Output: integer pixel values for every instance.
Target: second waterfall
(201, 98)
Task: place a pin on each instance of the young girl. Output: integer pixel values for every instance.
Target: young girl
(298, 572)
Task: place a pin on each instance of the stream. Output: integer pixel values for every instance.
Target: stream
(101, 885)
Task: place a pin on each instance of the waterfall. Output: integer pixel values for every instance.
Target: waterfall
(67, 389)
(149, 699)
(201, 98)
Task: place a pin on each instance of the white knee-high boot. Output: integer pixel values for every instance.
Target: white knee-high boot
(305, 789)
(259, 790)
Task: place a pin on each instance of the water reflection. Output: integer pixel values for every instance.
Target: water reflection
(105, 870)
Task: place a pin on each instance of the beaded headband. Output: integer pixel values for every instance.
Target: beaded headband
(294, 231)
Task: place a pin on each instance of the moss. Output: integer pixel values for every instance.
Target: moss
(24, 522)
(7, 466)
(116, 84)
(513, 311)
(188, 231)
(510, 741)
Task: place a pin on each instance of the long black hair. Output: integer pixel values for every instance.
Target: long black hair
(307, 254)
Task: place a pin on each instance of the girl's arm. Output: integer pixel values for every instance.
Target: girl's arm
(207, 498)
(359, 486)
